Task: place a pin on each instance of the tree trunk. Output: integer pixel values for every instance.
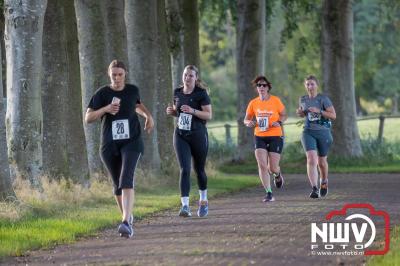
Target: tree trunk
(6, 189)
(164, 92)
(250, 62)
(93, 68)
(64, 149)
(24, 28)
(175, 29)
(338, 74)
(191, 46)
(141, 27)
(115, 30)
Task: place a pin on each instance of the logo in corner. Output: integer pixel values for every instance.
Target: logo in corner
(353, 230)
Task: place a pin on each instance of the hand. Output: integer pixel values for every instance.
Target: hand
(276, 124)
(314, 110)
(250, 123)
(149, 124)
(300, 112)
(170, 110)
(187, 109)
(112, 108)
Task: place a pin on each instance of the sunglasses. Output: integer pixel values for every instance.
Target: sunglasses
(262, 85)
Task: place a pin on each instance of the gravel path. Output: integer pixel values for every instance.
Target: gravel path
(240, 229)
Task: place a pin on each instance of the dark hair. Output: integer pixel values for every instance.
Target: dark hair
(258, 78)
(199, 83)
(117, 63)
(312, 77)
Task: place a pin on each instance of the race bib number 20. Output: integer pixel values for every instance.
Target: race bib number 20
(120, 129)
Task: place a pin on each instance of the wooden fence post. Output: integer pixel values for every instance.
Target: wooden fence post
(228, 136)
(381, 125)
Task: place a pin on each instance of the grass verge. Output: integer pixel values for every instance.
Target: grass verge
(42, 224)
(393, 256)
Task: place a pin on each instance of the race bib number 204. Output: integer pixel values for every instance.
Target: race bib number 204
(120, 129)
(185, 121)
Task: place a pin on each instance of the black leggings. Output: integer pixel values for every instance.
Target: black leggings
(187, 146)
(120, 161)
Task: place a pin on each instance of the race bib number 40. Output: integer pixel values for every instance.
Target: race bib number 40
(120, 129)
(262, 122)
(185, 121)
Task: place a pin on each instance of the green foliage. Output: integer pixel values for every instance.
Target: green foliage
(376, 27)
(393, 256)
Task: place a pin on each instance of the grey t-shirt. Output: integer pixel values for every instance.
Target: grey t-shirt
(314, 120)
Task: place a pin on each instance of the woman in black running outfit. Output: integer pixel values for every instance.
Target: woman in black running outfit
(121, 144)
(192, 107)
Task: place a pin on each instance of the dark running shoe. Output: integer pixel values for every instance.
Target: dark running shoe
(185, 211)
(278, 180)
(125, 230)
(268, 197)
(203, 208)
(314, 193)
(323, 190)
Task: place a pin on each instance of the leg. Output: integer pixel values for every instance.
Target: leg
(312, 171)
(182, 150)
(323, 168)
(130, 159)
(274, 159)
(199, 150)
(112, 161)
(184, 157)
(262, 162)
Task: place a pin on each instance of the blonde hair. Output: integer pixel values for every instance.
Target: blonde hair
(199, 83)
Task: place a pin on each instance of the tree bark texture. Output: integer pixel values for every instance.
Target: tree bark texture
(175, 30)
(24, 29)
(115, 31)
(338, 74)
(163, 90)
(93, 67)
(64, 148)
(191, 46)
(141, 26)
(250, 62)
(6, 189)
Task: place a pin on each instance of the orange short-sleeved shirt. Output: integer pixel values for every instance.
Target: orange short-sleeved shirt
(266, 112)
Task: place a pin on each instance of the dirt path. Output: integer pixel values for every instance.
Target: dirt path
(240, 229)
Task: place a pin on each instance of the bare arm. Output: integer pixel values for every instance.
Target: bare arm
(282, 118)
(92, 115)
(329, 113)
(248, 121)
(205, 113)
(144, 112)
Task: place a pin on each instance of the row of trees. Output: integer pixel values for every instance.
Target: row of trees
(293, 38)
(57, 55)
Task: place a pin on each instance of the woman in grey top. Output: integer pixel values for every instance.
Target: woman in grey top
(316, 138)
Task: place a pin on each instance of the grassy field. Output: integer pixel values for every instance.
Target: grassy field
(367, 128)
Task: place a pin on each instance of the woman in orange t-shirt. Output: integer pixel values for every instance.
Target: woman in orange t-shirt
(270, 113)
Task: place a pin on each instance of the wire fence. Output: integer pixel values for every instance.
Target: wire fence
(228, 127)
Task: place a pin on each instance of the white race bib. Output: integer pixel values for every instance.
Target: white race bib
(313, 116)
(262, 122)
(185, 121)
(120, 129)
